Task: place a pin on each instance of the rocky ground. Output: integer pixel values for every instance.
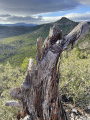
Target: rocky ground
(75, 113)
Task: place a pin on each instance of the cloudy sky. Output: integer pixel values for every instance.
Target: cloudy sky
(43, 11)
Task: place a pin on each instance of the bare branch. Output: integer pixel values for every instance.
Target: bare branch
(77, 33)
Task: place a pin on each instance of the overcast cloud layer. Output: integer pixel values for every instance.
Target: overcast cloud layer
(12, 11)
(25, 7)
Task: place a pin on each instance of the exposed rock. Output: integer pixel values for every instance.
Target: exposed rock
(87, 109)
(13, 104)
(75, 111)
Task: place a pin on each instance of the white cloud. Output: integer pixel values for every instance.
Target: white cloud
(15, 19)
(87, 2)
(79, 16)
(40, 20)
(72, 16)
(51, 19)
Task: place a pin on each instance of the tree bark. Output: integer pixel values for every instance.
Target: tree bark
(39, 94)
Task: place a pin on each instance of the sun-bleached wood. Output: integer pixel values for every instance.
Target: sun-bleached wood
(78, 32)
(39, 49)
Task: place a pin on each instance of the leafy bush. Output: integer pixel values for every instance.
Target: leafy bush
(75, 77)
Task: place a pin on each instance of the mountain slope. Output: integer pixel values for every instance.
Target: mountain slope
(9, 31)
(15, 49)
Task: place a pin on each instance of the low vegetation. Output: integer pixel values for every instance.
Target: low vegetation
(9, 78)
(75, 78)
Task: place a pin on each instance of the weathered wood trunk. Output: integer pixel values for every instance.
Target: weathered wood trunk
(39, 94)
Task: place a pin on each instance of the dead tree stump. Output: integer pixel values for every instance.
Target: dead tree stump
(39, 93)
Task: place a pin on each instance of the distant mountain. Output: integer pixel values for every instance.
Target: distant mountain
(65, 21)
(15, 49)
(19, 24)
(9, 31)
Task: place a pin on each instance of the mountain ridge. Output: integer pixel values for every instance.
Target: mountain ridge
(17, 29)
(14, 49)
(9, 30)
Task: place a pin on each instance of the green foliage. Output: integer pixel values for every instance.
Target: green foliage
(9, 78)
(24, 65)
(75, 77)
(83, 55)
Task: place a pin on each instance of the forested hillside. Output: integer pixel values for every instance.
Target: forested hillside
(9, 31)
(15, 49)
